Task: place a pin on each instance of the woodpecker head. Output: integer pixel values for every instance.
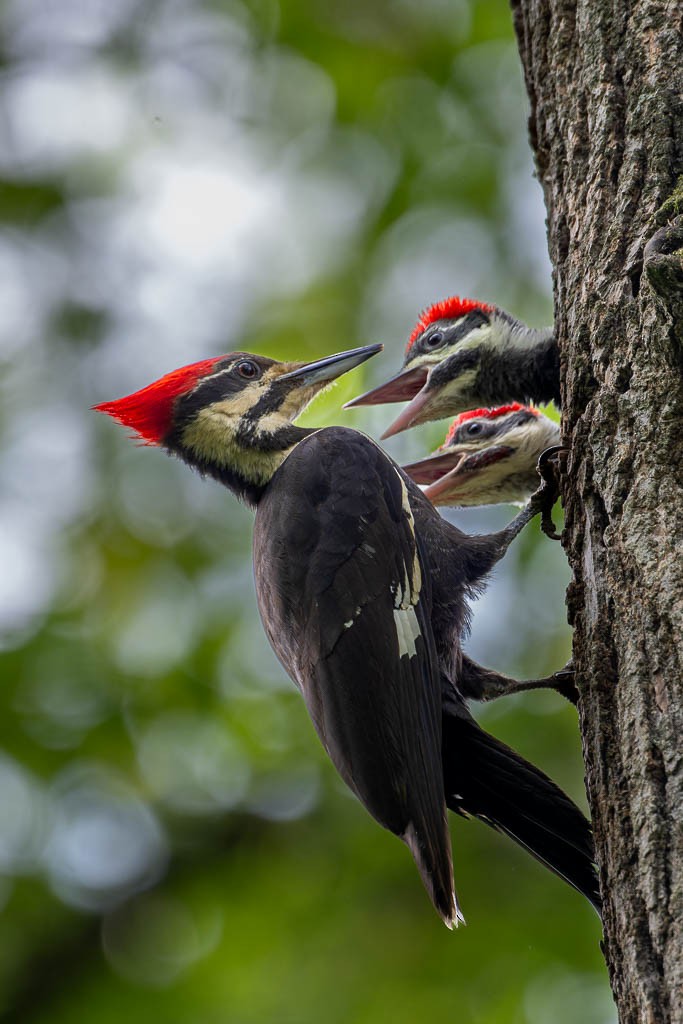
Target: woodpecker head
(443, 329)
(231, 416)
(446, 361)
(489, 456)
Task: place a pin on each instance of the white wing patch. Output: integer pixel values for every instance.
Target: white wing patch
(413, 583)
(407, 591)
(407, 630)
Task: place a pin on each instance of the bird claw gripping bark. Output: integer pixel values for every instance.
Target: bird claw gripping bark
(550, 464)
(564, 683)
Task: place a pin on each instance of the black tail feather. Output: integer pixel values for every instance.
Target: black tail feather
(487, 779)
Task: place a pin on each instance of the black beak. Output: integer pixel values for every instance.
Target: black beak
(324, 370)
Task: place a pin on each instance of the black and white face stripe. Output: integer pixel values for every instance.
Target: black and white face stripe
(444, 334)
(236, 424)
(485, 428)
(225, 382)
(453, 367)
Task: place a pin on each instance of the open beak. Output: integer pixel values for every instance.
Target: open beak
(400, 388)
(446, 489)
(411, 415)
(322, 371)
(428, 470)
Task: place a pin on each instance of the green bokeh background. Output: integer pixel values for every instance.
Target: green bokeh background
(179, 180)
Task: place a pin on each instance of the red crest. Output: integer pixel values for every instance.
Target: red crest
(149, 412)
(448, 309)
(486, 414)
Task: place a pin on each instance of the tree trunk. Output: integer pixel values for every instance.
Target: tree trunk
(605, 81)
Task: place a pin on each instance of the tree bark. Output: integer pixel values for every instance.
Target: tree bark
(605, 82)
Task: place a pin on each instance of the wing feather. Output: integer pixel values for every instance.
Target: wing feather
(345, 598)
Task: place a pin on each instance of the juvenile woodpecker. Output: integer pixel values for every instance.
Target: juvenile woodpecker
(464, 354)
(489, 456)
(362, 590)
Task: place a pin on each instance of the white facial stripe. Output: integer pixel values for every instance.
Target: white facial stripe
(485, 334)
(498, 334)
(442, 402)
(298, 400)
(212, 436)
(533, 435)
(504, 480)
(478, 336)
(407, 630)
(532, 438)
(425, 359)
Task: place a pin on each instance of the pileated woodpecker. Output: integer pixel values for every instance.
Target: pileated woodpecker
(464, 354)
(489, 456)
(362, 591)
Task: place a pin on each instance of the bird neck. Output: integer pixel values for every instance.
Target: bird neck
(523, 366)
(244, 462)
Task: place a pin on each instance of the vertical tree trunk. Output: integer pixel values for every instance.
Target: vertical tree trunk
(605, 81)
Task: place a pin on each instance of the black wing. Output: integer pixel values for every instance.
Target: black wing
(345, 598)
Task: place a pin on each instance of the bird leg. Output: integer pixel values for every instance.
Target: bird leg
(486, 550)
(541, 501)
(479, 683)
(550, 465)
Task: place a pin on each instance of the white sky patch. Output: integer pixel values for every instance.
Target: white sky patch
(34, 28)
(30, 570)
(58, 112)
(197, 209)
(417, 260)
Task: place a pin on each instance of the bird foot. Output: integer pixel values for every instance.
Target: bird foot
(550, 464)
(485, 684)
(564, 683)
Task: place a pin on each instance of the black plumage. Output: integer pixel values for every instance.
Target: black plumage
(338, 532)
(363, 589)
(337, 567)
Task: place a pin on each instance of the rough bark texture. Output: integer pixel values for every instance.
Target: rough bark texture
(605, 81)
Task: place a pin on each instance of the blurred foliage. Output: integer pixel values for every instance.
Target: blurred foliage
(177, 180)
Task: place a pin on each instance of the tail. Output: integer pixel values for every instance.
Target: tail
(436, 871)
(487, 779)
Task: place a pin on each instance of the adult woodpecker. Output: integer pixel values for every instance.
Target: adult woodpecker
(362, 590)
(489, 456)
(464, 354)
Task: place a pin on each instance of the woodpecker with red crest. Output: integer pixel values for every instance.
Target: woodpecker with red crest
(489, 456)
(464, 354)
(362, 591)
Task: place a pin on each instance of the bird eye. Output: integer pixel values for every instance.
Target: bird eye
(247, 369)
(473, 429)
(434, 339)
